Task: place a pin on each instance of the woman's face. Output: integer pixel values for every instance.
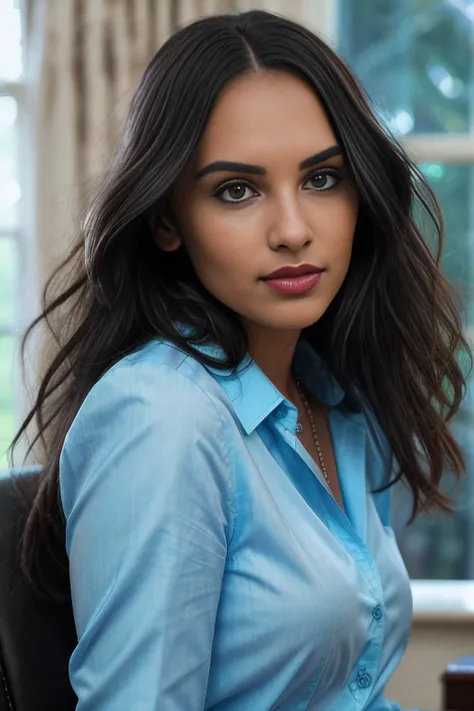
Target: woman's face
(256, 198)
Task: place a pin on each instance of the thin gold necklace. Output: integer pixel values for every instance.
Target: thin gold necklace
(313, 430)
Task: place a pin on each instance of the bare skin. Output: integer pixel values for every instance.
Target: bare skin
(239, 225)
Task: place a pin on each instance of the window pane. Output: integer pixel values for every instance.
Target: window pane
(7, 354)
(415, 58)
(10, 39)
(442, 546)
(9, 188)
(8, 282)
(454, 187)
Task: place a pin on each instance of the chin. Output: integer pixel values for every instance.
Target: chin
(296, 318)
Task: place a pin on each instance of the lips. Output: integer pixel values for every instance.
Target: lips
(290, 272)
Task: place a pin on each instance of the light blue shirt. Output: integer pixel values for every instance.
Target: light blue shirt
(210, 566)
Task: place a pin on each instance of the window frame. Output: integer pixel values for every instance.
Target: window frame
(22, 234)
(13, 89)
(436, 601)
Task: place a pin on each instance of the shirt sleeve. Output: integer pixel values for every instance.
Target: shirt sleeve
(147, 495)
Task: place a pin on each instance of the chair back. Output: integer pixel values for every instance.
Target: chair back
(37, 637)
(458, 684)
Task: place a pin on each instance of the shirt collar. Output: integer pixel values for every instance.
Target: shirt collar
(254, 396)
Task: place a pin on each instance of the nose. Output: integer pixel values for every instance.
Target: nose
(289, 229)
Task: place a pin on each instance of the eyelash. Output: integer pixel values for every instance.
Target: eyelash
(220, 189)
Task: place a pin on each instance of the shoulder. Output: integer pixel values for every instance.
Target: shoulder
(151, 417)
(379, 464)
(156, 373)
(157, 386)
(379, 443)
(148, 438)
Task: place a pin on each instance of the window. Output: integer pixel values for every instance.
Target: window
(10, 73)
(414, 57)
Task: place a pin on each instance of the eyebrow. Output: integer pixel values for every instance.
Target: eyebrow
(225, 165)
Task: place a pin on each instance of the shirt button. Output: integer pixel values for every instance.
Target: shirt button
(281, 411)
(377, 613)
(364, 679)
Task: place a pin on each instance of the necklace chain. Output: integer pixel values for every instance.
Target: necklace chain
(313, 430)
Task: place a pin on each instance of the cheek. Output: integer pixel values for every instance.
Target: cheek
(219, 262)
(342, 230)
(341, 249)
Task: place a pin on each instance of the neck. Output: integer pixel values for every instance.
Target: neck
(273, 352)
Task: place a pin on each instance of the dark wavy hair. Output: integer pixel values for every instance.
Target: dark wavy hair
(393, 334)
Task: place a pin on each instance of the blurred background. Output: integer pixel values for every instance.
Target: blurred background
(67, 71)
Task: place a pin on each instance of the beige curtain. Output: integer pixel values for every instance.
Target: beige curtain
(83, 61)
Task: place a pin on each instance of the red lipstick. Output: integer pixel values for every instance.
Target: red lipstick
(294, 280)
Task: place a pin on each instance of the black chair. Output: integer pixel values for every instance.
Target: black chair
(36, 637)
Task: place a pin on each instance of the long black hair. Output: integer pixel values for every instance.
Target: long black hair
(393, 332)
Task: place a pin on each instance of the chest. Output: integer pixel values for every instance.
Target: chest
(300, 582)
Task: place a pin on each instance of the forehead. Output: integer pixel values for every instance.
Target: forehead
(268, 114)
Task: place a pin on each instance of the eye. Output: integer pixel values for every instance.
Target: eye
(322, 181)
(235, 192)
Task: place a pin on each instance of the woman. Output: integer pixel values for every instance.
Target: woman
(254, 334)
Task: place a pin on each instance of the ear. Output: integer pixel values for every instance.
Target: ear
(166, 234)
